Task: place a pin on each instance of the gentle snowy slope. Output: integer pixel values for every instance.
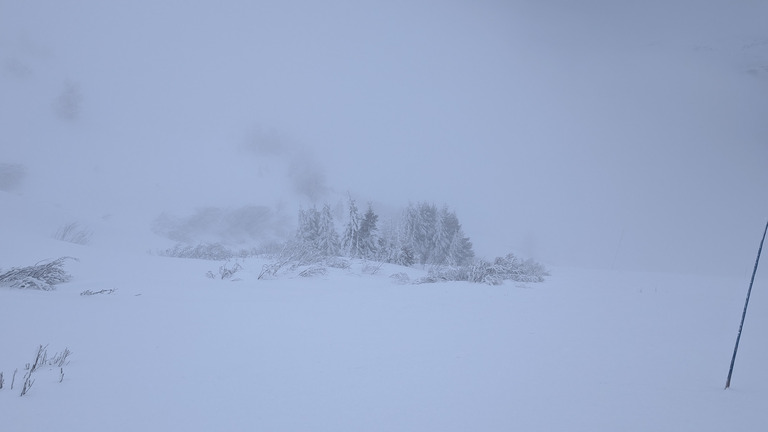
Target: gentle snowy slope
(591, 134)
(616, 135)
(586, 350)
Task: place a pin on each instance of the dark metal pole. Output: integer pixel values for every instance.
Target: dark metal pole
(744, 314)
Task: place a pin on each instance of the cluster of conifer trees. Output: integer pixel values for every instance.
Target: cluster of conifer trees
(423, 235)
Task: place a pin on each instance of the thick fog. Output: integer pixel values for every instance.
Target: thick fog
(614, 134)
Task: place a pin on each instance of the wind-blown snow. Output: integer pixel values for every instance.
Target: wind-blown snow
(628, 137)
(606, 134)
(172, 349)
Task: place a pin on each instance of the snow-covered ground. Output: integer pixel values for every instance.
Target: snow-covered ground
(170, 349)
(622, 135)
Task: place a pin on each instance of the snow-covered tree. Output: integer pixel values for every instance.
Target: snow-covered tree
(420, 227)
(308, 231)
(317, 231)
(350, 242)
(392, 247)
(328, 240)
(434, 237)
(452, 246)
(368, 234)
(423, 235)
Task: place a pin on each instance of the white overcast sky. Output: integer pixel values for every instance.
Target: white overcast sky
(602, 133)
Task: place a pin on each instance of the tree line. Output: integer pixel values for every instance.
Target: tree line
(423, 234)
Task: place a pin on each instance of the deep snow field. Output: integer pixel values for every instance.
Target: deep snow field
(170, 349)
(586, 135)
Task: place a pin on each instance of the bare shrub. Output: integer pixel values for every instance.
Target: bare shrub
(301, 255)
(40, 359)
(39, 276)
(72, 232)
(314, 270)
(293, 255)
(104, 291)
(28, 381)
(270, 270)
(226, 271)
(59, 360)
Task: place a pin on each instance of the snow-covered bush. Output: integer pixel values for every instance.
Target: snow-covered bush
(504, 268)
(513, 268)
(293, 255)
(401, 278)
(205, 251)
(72, 232)
(372, 267)
(314, 270)
(480, 271)
(39, 276)
(337, 262)
(226, 271)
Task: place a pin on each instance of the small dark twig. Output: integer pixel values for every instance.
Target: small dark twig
(28, 381)
(104, 291)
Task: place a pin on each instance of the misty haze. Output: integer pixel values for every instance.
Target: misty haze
(459, 215)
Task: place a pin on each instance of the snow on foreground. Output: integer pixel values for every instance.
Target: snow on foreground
(586, 350)
(172, 349)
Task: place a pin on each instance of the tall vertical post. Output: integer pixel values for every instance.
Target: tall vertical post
(746, 303)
